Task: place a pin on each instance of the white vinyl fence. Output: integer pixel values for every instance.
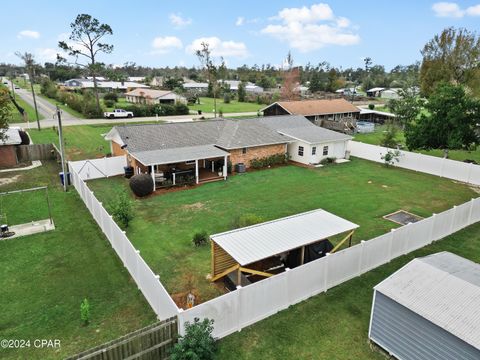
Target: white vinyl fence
(99, 168)
(144, 277)
(249, 304)
(451, 169)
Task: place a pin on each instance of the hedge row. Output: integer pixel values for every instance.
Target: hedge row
(278, 159)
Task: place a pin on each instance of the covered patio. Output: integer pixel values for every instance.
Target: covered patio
(268, 248)
(201, 163)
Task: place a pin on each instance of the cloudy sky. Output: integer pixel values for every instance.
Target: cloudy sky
(161, 33)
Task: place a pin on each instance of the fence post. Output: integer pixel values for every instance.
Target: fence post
(442, 167)
(406, 249)
(390, 245)
(137, 276)
(470, 212)
(453, 219)
(432, 227)
(124, 243)
(326, 272)
(239, 308)
(469, 173)
(360, 260)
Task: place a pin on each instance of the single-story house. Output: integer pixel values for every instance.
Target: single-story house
(196, 86)
(249, 87)
(76, 84)
(157, 81)
(429, 310)
(136, 78)
(335, 114)
(8, 147)
(151, 96)
(393, 93)
(346, 91)
(375, 92)
(375, 116)
(204, 148)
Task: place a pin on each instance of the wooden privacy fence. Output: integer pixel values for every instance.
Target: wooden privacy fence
(34, 152)
(153, 342)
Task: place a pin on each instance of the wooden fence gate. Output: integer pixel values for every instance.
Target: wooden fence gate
(153, 342)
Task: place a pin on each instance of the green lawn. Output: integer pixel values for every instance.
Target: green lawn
(376, 137)
(206, 105)
(16, 117)
(120, 104)
(44, 277)
(360, 191)
(333, 325)
(62, 106)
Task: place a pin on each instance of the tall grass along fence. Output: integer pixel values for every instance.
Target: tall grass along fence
(236, 310)
(153, 342)
(451, 169)
(147, 281)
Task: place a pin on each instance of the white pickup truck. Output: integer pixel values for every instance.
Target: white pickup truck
(118, 113)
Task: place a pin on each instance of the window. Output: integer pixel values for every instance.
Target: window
(300, 151)
(325, 150)
(244, 150)
(190, 162)
(314, 150)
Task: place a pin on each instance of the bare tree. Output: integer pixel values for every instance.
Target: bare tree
(29, 61)
(205, 57)
(86, 34)
(291, 80)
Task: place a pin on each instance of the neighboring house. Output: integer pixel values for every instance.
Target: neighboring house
(196, 86)
(249, 87)
(335, 114)
(157, 81)
(374, 116)
(8, 148)
(346, 91)
(122, 86)
(393, 93)
(206, 146)
(140, 79)
(151, 96)
(429, 310)
(302, 90)
(375, 92)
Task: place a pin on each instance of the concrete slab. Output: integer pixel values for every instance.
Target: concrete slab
(341, 161)
(30, 228)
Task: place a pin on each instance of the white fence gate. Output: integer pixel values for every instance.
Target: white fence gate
(99, 168)
(247, 305)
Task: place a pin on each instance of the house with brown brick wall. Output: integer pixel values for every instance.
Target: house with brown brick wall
(203, 149)
(8, 147)
(334, 114)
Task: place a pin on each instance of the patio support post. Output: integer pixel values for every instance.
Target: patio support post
(173, 178)
(213, 165)
(153, 176)
(225, 168)
(196, 171)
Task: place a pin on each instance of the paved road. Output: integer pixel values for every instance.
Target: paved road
(45, 108)
(49, 122)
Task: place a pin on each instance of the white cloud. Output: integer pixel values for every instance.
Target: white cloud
(219, 47)
(178, 21)
(308, 29)
(447, 9)
(46, 55)
(453, 10)
(165, 44)
(473, 10)
(28, 34)
(240, 21)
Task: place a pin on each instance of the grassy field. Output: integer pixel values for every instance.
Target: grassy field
(376, 137)
(44, 277)
(118, 105)
(16, 117)
(359, 191)
(333, 325)
(63, 107)
(206, 105)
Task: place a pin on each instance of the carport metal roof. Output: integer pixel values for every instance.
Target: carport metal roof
(253, 243)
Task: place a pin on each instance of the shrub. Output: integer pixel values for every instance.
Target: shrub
(141, 184)
(112, 96)
(371, 106)
(181, 109)
(391, 157)
(200, 238)
(122, 210)
(277, 159)
(85, 311)
(226, 98)
(109, 103)
(247, 220)
(197, 343)
(389, 137)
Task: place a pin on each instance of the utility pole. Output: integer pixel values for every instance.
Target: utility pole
(34, 98)
(13, 87)
(62, 148)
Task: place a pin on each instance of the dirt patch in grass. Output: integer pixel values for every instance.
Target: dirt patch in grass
(194, 206)
(9, 180)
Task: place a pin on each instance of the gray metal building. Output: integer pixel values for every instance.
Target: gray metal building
(429, 310)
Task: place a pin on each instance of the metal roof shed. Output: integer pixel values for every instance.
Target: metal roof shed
(429, 309)
(233, 250)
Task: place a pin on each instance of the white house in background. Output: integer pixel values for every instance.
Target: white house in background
(249, 87)
(195, 86)
(136, 78)
(74, 84)
(151, 96)
(375, 92)
(393, 93)
(310, 144)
